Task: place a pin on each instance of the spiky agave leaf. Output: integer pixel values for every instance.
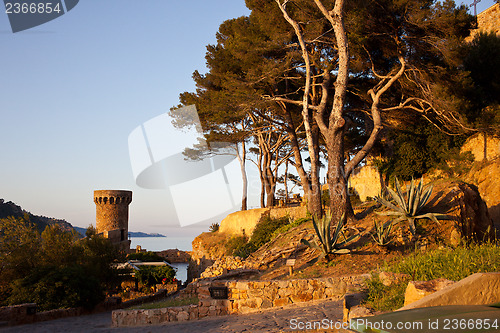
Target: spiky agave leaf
(312, 245)
(388, 204)
(329, 244)
(341, 251)
(348, 240)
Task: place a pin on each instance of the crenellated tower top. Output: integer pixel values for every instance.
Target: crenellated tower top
(112, 215)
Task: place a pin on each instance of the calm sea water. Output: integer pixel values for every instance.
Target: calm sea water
(166, 243)
(162, 243)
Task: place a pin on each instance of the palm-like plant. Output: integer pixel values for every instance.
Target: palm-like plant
(407, 207)
(330, 244)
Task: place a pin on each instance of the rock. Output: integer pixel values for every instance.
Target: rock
(419, 289)
(359, 311)
(485, 176)
(388, 278)
(351, 302)
(467, 214)
(476, 289)
(222, 266)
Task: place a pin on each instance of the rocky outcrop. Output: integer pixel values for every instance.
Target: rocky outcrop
(485, 176)
(207, 248)
(476, 289)
(467, 214)
(419, 289)
(244, 222)
(174, 256)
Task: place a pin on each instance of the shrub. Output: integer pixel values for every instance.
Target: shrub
(385, 298)
(290, 225)
(264, 230)
(58, 287)
(151, 275)
(234, 243)
(263, 233)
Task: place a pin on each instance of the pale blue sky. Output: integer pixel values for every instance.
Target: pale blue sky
(73, 89)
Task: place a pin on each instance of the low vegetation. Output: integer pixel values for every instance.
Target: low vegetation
(409, 207)
(382, 233)
(152, 275)
(55, 268)
(328, 243)
(451, 264)
(242, 247)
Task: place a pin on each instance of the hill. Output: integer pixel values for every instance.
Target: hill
(41, 222)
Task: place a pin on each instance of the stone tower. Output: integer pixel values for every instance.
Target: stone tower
(112, 215)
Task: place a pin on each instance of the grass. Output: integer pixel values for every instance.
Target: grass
(167, 303)
(451, 264)
(383, 298)
(287, 227)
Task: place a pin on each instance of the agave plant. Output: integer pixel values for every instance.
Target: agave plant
(408, 207)
(382, 233)
(330, 244)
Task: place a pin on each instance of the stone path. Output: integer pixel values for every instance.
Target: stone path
(288, 319)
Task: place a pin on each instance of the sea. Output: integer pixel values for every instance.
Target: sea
(166, 243)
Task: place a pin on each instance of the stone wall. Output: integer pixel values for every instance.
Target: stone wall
(26, 314)
(475, 144)
(489, 20)
(366, 181)
(243, 297)
(244, 222)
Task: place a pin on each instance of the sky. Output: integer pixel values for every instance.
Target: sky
(73, 90)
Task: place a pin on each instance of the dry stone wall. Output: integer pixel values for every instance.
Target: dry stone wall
(243, 297)
(489, 20)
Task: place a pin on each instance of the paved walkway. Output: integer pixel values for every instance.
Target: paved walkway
(288, 319)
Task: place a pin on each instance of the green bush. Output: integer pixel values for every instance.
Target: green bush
(290, 225)
(151, 275)
(233, 243)
(54, 269)
(145, 256)
(264, 230)
(58, 287)
(245, 250)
